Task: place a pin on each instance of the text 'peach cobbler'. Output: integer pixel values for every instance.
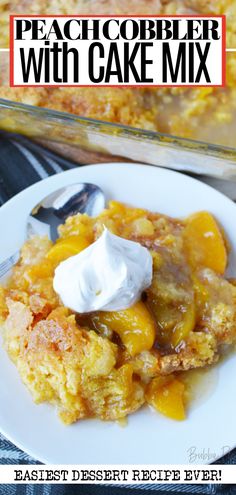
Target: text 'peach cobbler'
(108, 363)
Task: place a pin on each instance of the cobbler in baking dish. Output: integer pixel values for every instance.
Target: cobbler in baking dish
(200, 113)
(106, 363)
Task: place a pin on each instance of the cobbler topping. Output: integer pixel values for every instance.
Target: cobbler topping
(109, 275)
(108, 364)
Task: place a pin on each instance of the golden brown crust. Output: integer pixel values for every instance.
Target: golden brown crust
(82, 366)
(62, 364)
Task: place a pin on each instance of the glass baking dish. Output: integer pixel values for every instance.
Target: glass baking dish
(91, 141)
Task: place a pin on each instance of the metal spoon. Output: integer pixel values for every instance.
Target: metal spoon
(54, 209)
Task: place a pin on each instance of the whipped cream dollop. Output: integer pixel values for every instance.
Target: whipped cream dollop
(109, 275)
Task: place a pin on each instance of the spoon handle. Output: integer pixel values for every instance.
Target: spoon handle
(8, 263)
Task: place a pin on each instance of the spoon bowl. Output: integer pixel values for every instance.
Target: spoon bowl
(53, 210)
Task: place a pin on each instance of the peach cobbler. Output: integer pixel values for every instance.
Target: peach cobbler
(108, 364)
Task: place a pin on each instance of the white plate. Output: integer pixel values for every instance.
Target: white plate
(210, 429)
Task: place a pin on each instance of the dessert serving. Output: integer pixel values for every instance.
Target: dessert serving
(117, 311)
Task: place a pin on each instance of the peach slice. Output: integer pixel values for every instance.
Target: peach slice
(185, 326)
(174, 323)
(204, 242)
(66, 247)
(40, 270)
(166, 395)
(135, 327)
